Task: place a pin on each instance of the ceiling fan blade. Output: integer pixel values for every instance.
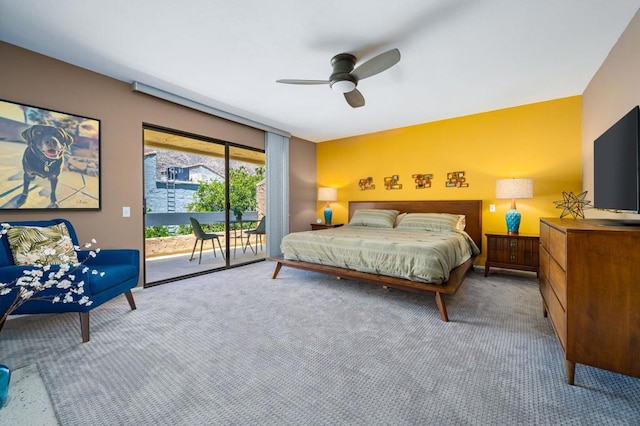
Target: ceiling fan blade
(377, 64)
(354, 98)
(288, 81)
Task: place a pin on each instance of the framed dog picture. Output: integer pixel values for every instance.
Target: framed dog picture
(48, 159)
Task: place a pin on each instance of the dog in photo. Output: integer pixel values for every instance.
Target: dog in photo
(43, 157)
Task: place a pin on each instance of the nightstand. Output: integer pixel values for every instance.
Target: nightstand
(512, 251)
(318, 226)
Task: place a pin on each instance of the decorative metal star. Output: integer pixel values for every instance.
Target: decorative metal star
(573, 204)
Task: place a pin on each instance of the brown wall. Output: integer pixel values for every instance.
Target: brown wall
(37, 80)
(613, 91)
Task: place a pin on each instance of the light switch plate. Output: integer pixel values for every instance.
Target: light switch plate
(126, 212)
(492, 208)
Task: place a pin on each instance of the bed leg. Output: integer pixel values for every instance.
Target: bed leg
(441, 307)
(276, 271)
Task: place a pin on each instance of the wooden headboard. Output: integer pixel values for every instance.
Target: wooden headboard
(472, 209)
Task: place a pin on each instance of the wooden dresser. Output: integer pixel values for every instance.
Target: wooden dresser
(590, 285)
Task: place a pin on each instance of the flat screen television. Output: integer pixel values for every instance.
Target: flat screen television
(615, 165)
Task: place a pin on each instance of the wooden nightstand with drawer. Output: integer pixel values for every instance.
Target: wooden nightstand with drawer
(512, 251)
(319, 226)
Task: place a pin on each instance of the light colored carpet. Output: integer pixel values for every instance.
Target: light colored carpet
(237, 348)
(28, 403)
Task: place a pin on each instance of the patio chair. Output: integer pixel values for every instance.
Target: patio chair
(259, 231)
(202, 236)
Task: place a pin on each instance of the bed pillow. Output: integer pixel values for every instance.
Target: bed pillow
(41, 245)
(399, 218)
(438, 222)
(462, 222)
(375, 218)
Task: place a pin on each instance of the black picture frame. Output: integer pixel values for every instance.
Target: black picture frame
(48, 159)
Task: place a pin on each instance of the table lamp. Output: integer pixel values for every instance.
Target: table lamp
(514, 188)
(328, 195)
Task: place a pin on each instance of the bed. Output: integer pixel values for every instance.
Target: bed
(444, 268)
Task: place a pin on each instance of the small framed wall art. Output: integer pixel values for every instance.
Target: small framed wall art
(422, 180)
(391, 182)
(456, 180)
(366, 184)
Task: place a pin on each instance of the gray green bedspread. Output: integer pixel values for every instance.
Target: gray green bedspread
(422, 256)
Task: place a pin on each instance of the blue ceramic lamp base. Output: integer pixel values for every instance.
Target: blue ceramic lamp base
(327, 216)
(5, 377)
(513, 221)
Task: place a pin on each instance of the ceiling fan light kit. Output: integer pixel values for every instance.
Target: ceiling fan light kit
(344, 77)
(343, 86)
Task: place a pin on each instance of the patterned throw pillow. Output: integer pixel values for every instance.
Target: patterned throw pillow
(437, 222)
(375, 218)
(37, 245)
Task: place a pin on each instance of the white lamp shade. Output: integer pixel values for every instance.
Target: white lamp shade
(514, 188)
(327, 194)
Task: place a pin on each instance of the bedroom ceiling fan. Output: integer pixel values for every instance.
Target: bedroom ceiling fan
(345, 78)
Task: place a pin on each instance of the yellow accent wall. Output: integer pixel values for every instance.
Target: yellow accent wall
(540, 141)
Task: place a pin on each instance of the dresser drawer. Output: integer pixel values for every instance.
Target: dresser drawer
(558, 247)
(544, 235)
(499, 249)
(555, 311)
(527, 251)
(513, 250)
(558, 280)
(544, 261)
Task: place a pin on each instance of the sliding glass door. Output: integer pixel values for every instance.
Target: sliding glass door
(204, 201)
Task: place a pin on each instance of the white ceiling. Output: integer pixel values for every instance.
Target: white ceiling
(459, 57)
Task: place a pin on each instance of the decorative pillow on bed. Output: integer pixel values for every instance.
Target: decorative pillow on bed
(430, 222)
(375, 218)
(462, 222)
(41, 245)
(399, 218)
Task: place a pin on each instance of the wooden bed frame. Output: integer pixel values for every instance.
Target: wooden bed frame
(472, 209)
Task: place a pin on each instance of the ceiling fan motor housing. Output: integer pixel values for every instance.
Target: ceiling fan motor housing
(343, 64)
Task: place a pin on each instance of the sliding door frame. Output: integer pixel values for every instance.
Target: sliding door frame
(227, 145)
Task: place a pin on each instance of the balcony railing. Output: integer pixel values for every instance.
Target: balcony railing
(174, 244)
(182, 218)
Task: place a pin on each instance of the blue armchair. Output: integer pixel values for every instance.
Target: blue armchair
(121, 268)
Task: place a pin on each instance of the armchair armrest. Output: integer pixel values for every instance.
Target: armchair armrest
(9, 274)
